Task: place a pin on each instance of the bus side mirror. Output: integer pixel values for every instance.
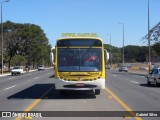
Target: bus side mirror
(106, 55)
(52, 58)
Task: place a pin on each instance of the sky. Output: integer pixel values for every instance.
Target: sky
(87, 16)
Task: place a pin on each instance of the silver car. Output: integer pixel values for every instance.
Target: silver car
(154, 77)
(123, 68)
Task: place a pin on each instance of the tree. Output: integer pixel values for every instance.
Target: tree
(156, 47)
(154, 33)
(131, 53)
(35, 44)
(26, 40)
(116, 53)
(18, 60)
(10, 40)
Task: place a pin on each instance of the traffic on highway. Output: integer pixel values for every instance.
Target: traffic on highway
(124, 93)
(79, 60)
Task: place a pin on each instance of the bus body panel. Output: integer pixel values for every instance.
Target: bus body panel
(96, 84)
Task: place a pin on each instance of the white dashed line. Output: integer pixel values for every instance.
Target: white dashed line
(114, 75)
(10, 87)
(36, 78)
(135, 82)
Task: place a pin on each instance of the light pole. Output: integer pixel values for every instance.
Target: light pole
(123, 41)
(149, 49)
(110, 49)
(2, 37)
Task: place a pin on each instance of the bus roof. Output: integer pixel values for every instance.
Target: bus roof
(79, 41)
(66, 38)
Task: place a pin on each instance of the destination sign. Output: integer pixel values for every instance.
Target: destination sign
(79, 35)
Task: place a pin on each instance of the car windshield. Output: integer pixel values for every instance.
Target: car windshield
(124, 67)
(16, 67)
(41, 66)
(79, 59)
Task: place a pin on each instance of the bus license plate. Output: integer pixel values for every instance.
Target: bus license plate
(79, 84)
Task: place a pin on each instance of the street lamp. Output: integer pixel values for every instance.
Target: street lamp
(110, 49)
(2, 37)
(149, 49)
(123, 40)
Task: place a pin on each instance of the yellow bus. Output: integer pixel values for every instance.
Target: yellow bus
(79, 64)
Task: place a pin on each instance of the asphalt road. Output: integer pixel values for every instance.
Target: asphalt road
(133, 90)
(34, 91)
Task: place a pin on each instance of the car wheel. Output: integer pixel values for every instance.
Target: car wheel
(155, 82)
(97, 91)
(148, 82)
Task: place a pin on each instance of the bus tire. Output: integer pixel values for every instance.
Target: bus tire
(97, 91)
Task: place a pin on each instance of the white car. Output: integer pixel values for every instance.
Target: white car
(41, 67)
(17, 70)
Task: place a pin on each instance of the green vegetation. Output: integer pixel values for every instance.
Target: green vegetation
(25, 44)
(132, 53)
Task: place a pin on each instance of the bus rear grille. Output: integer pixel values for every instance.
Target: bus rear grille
(82, 80)
(85, 86)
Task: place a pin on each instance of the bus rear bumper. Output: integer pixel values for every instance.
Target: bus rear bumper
(61, 84)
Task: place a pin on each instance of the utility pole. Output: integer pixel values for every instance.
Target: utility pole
(149, 48)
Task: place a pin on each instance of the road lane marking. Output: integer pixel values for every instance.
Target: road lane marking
(135, 82)
(114, 75)
(11, 78)
(36, 78)
(122, 103)
(10, 87)
(34, 103)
